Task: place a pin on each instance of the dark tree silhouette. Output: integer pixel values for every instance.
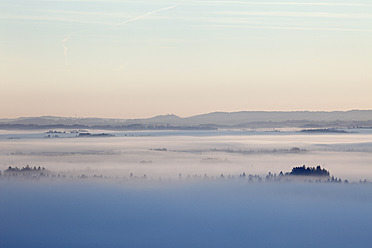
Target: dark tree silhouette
(309, 171)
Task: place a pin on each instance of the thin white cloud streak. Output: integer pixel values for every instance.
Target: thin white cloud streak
(285, 3)
(83, 13)
(52, 18)
(69, 16)
(282, 28)
(68, 19)
(145, 15)
(230, 22)
(205, 20)
(236, 13)
(224, 3)
(296, 14)
(257, 23)
(65, 50)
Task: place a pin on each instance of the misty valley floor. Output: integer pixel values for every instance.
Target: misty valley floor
(163, 211)
(168, 154)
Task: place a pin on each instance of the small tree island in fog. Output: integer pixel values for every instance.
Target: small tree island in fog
(308, 171)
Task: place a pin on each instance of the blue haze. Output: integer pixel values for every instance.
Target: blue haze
(224, 214)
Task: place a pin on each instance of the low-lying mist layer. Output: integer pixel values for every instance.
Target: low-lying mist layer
(213, 214)
(346, 156)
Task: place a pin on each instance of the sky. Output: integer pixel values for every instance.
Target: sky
(136, 59)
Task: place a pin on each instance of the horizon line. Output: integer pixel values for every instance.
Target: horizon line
(171, 114)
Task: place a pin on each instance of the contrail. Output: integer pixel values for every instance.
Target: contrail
(65, 49)
(144, 15)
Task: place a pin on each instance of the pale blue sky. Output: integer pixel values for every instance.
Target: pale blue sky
(133, 59)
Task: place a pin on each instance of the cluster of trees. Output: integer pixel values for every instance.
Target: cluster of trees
(308, 171)
(160, 149)
(250, 151)
(24, 169)
(323, 130)
(95, 135)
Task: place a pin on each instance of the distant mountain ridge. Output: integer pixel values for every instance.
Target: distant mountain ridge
(242, 119)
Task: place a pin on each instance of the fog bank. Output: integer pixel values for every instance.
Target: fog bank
(184, 215)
